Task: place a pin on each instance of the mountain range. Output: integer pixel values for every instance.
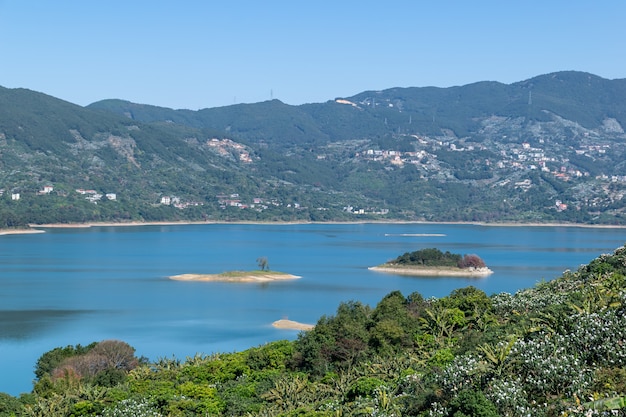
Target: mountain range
(548, 149)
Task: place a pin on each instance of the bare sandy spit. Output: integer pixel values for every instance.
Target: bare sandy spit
(292, 325)
(430, 272)
(19, 231)
(237, 276)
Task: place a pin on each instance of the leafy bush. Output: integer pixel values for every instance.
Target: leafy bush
(364, 387)
(471, 403)
(53, 358)
(9, 406)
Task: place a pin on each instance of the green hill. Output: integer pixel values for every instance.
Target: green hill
(48, 142)
(581, 97)
(548, 149)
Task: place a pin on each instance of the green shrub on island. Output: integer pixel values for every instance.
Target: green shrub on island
(434, 257)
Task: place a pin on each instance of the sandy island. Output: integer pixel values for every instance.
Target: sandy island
(292, 325)
(433, 271)
(236, 276)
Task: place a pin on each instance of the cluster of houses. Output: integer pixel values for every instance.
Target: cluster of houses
(612, 178)
(352, 210)
(512, 156)
(14, 196)
(225, 147)
(167, 200)
(394, 157)
(94, 196)
(526, 157)
(258, 204)
(91, 195)
(532, 158)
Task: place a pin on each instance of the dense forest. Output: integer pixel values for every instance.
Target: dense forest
(557, 349)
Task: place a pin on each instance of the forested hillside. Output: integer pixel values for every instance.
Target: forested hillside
(553, 350)
(548, 149)
(580, 97)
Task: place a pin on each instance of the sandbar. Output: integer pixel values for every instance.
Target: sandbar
(433, 271)
(292, 325)
(237, 276)
(19, 231)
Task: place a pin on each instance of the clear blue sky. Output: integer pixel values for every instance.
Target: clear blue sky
(202, 53)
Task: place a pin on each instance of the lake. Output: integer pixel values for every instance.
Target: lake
(79, 285)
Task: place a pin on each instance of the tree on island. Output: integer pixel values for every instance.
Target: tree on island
(472, 261)
(262, 262)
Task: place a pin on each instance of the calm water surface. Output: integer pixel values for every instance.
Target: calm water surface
(70, 286)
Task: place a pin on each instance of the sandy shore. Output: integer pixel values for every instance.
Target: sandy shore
(238, 276)
(109, 224)
(291, 325)
(408, 222)
(437, 272)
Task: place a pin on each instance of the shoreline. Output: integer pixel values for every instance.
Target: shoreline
(433, 271)
(237, 276)
(34, 226)
(39, 228)
(292, 325)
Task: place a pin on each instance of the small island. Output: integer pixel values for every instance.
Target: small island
(237, 276)
(292, 325)
(433, 262)
(263, 274)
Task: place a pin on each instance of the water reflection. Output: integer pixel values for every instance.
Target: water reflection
(24, 324)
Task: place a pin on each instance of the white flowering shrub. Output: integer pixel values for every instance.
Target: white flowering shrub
(599, 338)
(384, 403)
(437, 410)
(132, 408)
(547, 366)
(464, 372)
(509, 397)
(524, 301)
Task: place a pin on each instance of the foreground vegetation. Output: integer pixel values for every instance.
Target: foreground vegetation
(557, 349)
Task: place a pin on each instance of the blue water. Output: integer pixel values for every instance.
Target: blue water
(70, 286)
